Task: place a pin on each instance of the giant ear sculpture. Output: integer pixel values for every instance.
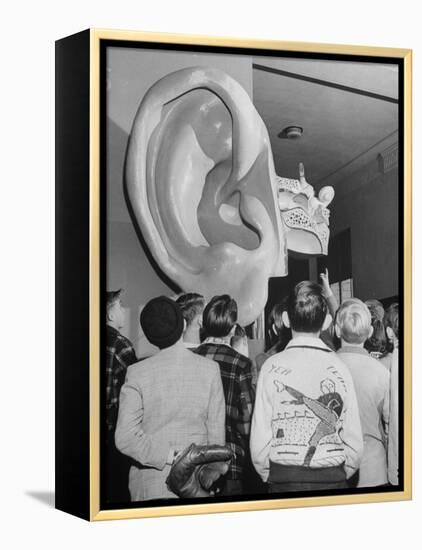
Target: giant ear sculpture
(199, 176)
(201, 182)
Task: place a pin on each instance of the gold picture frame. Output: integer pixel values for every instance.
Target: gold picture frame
(90, 508)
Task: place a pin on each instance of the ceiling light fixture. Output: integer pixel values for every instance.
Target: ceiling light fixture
(291, 132)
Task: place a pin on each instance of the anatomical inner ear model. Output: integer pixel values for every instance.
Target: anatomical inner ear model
(306, 217)
(201, 182)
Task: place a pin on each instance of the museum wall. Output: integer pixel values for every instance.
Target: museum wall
(367, 203)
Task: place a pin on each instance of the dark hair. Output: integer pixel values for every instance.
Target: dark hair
(219, 317)
(112, 297)
(191, 304)
(306, 307)
(277, 342)
(276, 318)
(377, 343)
(391, 318)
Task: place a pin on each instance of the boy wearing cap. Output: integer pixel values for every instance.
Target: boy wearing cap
(168, 401)
(372, 383)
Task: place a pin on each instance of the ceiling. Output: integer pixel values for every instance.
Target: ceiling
(349, 113)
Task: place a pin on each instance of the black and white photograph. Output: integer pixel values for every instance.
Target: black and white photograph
(252, 289)
(210, 280)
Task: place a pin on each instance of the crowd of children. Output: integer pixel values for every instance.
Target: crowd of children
(318, 410)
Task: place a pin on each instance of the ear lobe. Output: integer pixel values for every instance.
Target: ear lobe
(390, 333)
(285, 319)
(327, 322)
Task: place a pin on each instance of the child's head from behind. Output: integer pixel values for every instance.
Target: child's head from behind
(220, 316)
(192, 306)
(353, 322)
(307, 309)
(377, 343)
(391, 321)
(376, 309)
(115, 312)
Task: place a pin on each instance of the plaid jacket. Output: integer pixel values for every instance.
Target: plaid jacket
(236, 375)
(119, 355)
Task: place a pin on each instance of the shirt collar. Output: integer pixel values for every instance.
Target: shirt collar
(353, 349)
(190, 345)
(308, 342)
(177, 346)
(216, 341)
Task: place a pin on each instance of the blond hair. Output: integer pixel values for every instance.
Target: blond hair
(354, 321)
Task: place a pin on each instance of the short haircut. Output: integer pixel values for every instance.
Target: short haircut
(191, 304)
(112, 297)
(354, 321)
(306, 307)
(391, 318)
(220, 316)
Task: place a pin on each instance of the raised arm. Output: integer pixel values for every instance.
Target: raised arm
(328, 293)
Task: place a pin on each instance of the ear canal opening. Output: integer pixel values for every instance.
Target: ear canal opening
(231, 213)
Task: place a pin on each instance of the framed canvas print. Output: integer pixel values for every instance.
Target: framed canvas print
(233, 277)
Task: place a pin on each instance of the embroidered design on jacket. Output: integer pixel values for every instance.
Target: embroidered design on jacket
(306, 429)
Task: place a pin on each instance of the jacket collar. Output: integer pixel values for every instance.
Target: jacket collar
(177, 347)
(216, 342)
(353, 349)
(308, 342)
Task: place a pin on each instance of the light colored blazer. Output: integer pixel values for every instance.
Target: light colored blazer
(168, 401)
